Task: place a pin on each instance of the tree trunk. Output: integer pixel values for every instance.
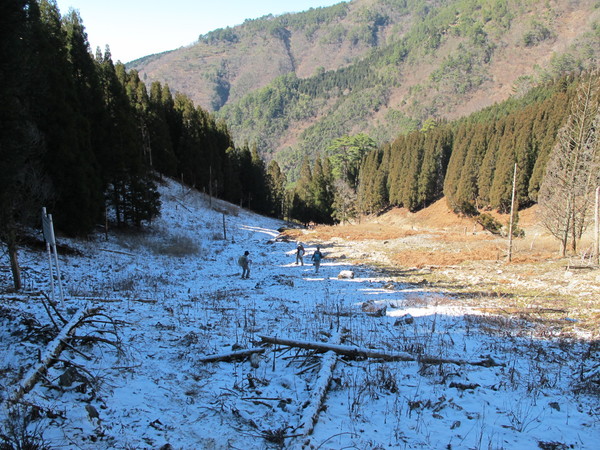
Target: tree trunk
(14, 260)
(564, 241)
(563, 248)
(574, 235)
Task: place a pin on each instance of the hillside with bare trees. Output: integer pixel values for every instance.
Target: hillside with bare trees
(295, 82)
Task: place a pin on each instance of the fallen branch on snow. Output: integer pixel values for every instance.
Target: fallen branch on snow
(311, 412)
(239, 354)
(55, 347)
(120, 252)
(357, 352)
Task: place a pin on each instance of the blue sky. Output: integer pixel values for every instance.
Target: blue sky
(135, 28)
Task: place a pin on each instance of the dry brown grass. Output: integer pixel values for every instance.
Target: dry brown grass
(363, 232)
(456, 238)
(533, 257)
(454, 257)
(425, 258)
(349, 232)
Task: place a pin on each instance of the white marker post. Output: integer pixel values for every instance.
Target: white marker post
(48, 228)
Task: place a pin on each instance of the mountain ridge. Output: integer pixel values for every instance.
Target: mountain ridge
(426, 60)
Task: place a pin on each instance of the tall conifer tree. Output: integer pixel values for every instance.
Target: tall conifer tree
(276, 181)
(302, 205)
(323, 191)
(159, 137)
(21, 146)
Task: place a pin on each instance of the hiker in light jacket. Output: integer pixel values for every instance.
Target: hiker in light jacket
(244, 263)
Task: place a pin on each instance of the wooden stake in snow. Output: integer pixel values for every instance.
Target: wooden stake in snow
(597, 228)
(48, 229)
(512, 215)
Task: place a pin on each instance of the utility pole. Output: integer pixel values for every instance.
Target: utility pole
(597, 233)
(512, 215)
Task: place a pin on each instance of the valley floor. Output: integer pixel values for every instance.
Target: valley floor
(172, 296)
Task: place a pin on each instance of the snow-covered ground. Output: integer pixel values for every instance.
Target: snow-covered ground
(174, 295)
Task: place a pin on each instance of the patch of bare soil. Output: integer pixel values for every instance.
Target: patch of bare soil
(454, 256)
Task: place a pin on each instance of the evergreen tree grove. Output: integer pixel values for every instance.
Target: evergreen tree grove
(89, 140)
(82, 135)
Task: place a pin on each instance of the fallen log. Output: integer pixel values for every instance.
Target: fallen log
(53, 350)
(311, 412)
(120, 252)
(346, 350)
(144, 300)
(239, 354)
(357, 352)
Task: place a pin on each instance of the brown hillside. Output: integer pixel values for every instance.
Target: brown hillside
(220, 72)
(515, 61)
(434, 236)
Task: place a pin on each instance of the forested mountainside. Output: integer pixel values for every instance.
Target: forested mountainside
(90, 140)
(470, 161)
(293, 83)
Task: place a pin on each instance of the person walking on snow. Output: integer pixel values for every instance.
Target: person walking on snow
(244, 263)
(317, 257)
(300, 254)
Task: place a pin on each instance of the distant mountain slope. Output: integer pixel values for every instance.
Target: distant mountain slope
(292, 83)
(226, 64)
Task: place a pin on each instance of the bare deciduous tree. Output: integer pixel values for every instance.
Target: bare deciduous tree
(344, 203)
(572, 171)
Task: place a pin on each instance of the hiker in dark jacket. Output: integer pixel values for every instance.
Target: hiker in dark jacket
(316, 258)
(300, 254)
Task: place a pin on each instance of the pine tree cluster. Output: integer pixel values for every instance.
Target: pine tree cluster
(471, 161)
(82, 136)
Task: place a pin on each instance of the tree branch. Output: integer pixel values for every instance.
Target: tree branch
(54, 348)
(240, 354)
(357, 352)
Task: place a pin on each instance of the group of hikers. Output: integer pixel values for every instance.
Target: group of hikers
(244, 260)
(316, 258)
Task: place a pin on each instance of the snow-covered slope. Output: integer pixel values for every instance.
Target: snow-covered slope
(173, 295)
